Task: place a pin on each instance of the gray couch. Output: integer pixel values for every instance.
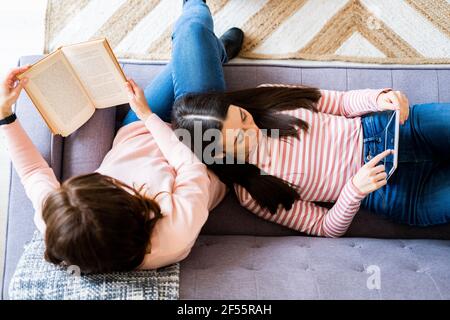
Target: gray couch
(241, 256)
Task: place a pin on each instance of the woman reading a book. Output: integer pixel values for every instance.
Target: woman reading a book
(145, 205)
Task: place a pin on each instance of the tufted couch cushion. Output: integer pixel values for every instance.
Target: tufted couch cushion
(227, 267)
(84, 150)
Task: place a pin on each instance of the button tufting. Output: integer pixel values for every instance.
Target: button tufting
(360, 269)
(202, 267)
(304, 267)
(251, 267)
(421, 270)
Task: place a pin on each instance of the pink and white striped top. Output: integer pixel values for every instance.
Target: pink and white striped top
(321, 163)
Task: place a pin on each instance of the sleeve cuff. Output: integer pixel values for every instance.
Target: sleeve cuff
(357, 194)
(374, 96)
(10, 129)
(152, 119)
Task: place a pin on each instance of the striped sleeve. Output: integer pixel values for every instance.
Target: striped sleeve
(307, 217)
(351, 103)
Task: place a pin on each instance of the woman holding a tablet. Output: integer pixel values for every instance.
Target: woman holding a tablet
(418, 191)
(283, 148)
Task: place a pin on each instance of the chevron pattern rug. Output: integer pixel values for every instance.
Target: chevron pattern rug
(370, 31)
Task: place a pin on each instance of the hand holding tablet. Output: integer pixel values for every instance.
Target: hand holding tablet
(391, 161)
(372, 176)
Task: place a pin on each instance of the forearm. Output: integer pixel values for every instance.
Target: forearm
(338, 219)
(350, 103)
(191, 179)
(178, 155)
(35, 174)
(24, 155)
(5, 112)
(356, 103)
(309, 218)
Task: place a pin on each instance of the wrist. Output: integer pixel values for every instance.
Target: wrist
(144, 115)
(5, 112)
(355, 189)
(380, 94)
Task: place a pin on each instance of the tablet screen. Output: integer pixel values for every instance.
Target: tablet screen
(391, 133)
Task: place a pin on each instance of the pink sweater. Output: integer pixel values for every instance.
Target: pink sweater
(142, 153)
(321, 163)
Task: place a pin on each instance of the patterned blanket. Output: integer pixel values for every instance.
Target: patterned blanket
(36, 279)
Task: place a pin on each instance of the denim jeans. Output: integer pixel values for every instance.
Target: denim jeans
(196, 65)
(418, 192)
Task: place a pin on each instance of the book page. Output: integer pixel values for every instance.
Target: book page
(97, 71)
(58, 94)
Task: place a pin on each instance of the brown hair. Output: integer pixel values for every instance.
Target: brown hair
(264, 104)
(98, 223)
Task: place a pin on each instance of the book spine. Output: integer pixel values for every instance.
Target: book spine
(113, 56)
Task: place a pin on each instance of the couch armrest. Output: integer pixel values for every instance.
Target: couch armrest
(20, 225)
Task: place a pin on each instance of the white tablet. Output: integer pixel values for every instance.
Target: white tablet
(390, 162)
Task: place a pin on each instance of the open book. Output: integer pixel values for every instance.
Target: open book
(67, 85)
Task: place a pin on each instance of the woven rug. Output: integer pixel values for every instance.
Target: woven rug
(370, 31)
(36, 279)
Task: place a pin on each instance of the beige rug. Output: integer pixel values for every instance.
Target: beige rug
(371, 31)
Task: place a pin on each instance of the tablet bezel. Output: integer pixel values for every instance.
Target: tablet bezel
(395, 115)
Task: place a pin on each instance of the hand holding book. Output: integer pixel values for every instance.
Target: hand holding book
(10, 89)
(137, 100)
(69, 84)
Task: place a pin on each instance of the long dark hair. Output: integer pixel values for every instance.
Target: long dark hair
(264, 104)
(98, 223)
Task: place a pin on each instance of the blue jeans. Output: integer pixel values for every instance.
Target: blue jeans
(418, 192)
(196, 65)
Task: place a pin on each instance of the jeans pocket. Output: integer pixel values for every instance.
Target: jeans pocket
(371, 147)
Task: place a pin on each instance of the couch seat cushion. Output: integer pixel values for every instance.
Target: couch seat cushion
(248, 267)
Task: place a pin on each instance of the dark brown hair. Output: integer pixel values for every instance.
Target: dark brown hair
(264, 104)
(98, 223)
